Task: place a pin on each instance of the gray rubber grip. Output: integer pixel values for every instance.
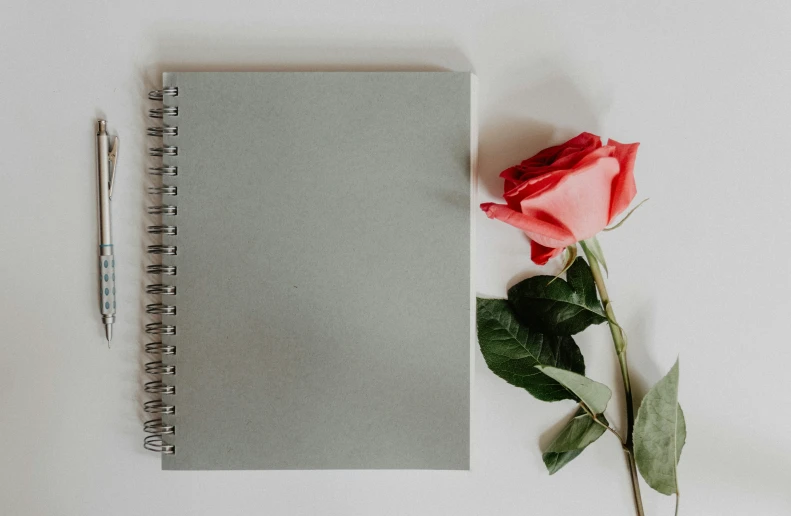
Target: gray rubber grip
(107, 283)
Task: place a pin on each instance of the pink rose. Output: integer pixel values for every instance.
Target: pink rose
(567, 193)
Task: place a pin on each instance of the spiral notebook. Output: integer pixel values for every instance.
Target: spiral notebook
(310, 286)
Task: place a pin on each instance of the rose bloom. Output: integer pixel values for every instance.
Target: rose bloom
(567, 193)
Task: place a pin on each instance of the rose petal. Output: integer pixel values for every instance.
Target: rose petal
(552, 158)
(511, 176)
(541, 254)
(582, 140)
(543, 230)
(574, 153)
(579, 200)
(623, 186)
(536, 185)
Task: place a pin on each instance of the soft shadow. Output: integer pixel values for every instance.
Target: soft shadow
(644, 372)
(710, 440)
(504, 142)
(93, 209)
(528, 119)
(252, 51)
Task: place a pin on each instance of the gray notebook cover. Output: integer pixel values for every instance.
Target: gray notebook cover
(323, 291)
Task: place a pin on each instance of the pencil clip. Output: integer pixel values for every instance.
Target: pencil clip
(112, 157)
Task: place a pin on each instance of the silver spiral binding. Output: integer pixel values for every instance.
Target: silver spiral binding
(167, 270)
(163, 131)
(157, 367)
(163, 249)
(170, 150)
(159, 95)
(160, 309)
(156, 443)
(163, 171)
(162, 230)
(163, 190)
(156, 426)
(163, 112)
(160, 289)
(160, 368)
(158, 407)
(158, 328)
(157, 348)
(163, 209)
(159, 387)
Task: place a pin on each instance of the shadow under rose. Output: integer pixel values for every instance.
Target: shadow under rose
(504, 142)
(514, 126)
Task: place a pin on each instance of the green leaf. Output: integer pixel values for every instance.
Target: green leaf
(558, 307)
(578, 433)
(659, 434)
(512, 351)
(594, 395)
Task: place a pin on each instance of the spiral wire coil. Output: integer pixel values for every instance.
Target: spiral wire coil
(162, 230)
(163, 209)
(163, 190)
(167, 270)
(163, 171)
(158, 368)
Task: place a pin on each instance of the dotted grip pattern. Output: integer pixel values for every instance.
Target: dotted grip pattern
(107, 283)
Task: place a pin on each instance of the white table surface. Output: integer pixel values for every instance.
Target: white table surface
(700, 271)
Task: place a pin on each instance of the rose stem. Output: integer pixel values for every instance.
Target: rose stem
(620, 351)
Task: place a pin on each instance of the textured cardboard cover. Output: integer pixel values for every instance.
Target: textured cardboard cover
(323, 286)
